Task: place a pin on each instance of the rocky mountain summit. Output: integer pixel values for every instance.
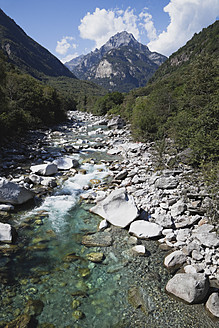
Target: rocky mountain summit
(121, 64)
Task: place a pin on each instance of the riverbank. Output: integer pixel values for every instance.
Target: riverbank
(172, 203)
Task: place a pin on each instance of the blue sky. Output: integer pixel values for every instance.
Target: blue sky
(68, 28)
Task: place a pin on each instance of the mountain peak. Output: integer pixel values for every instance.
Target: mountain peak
(118, 40)
(121, 64)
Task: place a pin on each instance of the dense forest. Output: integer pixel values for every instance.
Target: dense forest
(25, 103)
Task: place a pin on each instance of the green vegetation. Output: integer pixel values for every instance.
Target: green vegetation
(181, 100)
(25, 103)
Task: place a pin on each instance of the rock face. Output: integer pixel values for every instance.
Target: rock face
(191, 288)
(44, 169)
(6, 233)
(13, 193)
(118, 208)
(213, 304)
(143, 229)
(120, 64)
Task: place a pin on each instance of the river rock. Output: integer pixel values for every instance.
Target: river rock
(118, 208)
(95, 257)
(23, 321)
(13, 193)
(6, 207)
(191, 288)
(139, 250)
(6, 233)
(166, 183)
(175, 259)
(49, 182)
(178, 208)
(66, 163)
(205, 237)
(44, 169)
(121, 175)
(212, 304)
(103, 239)
(143, 229)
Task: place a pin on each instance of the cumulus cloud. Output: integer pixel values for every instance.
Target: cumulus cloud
(148, 25)
(100, 25)
(186, 18)
(65, 44)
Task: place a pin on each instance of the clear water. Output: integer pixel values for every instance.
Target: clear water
(49, 263)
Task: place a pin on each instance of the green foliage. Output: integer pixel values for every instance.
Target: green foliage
(181, 100)
(109, 102)
(25, 103)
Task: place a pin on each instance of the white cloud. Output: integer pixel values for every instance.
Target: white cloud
(64, 45)
(186, 18)
(102, 24)
(69, 57)
(148, 25)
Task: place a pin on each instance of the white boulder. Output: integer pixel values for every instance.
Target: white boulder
(144, 229)
(44, 169)
(65, 163)
(6, 233)
(118, 208)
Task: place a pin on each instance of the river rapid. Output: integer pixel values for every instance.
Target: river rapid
(50, 264)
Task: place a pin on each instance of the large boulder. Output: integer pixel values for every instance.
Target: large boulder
(212, 304)
(65, 163)
(118, 208)
(13, 193)
(44, 169)
(7, 233)
(144, 229)
(191, 288)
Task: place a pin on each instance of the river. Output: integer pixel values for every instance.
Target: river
(50, 263)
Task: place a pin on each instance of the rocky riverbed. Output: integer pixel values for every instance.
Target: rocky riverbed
(156, 230)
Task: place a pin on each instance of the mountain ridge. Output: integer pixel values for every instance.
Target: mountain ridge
(136, 63)
(26, 53)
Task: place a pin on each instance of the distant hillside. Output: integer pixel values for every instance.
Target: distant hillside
(181, 99)
(26, 53)
(120, 65)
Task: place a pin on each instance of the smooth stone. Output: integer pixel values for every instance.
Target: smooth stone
(7, 233)
(13, 193)
(175, 259)
(212, 304)
(139, 250)
(103, 239)
(143, 229)
(191, 288)
(44, 169)
(166, 183)
(63, 163)
(103, 225)
(118, 208)
(121, 175)
(95, 257)
(6, 207)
